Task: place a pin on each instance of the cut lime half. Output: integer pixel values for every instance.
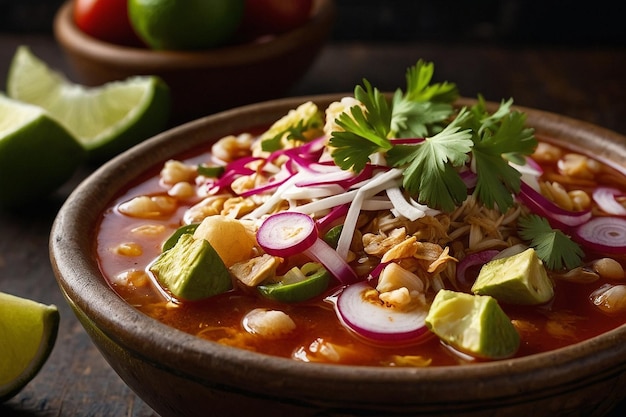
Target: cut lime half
(37, 155)
(28, 330)
(105, 120)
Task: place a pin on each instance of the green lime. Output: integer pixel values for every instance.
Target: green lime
(105, 120)
(37, 155)
(473, 324)
(299, 284)
(28, 331)
(185, 24)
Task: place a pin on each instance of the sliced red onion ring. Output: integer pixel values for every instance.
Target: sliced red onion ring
(557, 216)
(469, 178)
(276, 181)
(337, 212)
(603, 234)
(290, 233)
(376, 322)
(605, 199)
(309, 150)
(286, 234)
(407, 141)
(478, 258)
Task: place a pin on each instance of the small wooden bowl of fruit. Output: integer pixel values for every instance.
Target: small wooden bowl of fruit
(213, 55)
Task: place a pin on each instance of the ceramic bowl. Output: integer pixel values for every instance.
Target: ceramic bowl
(203, 82)
(178, 374)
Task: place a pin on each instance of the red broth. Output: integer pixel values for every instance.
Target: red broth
(569, 318)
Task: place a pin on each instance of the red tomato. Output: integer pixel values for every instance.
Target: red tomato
(275, 16)
(106, 20)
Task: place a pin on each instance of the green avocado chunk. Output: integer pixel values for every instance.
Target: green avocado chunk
(473, 324)
(517, 279)
(192, 270)
(171, 241)
(298, 284)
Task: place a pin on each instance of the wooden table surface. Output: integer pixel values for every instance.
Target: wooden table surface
(584, 83)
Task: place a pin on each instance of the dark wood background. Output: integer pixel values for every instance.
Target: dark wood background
(567, 73)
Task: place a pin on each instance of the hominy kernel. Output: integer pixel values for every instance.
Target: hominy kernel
(182, 190)
(133, 277)
(233, 147)
(148, 230)
(128, 249)
(174, 172)
(546, 152)
(578, 166)
(608, 268)
(148, 207)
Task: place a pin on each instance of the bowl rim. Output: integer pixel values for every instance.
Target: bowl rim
(73, 39)
(86, 290)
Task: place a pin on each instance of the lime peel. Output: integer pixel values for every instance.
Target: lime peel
(37, 154)
(106, 119)
(28, 331)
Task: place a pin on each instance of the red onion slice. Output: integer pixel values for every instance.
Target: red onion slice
(478, 258)
(603, 234)
(323, 253)
(290, 233)
(287, 233)
(376, 322)
(557, 216)
(605, 199)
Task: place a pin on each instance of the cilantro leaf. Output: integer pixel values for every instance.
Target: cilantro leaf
(501, 137)
(352, 152)
(378, 111)
(364, 132)
(430, 173)
(419, 87)
(553, 247)
(424, 107)
(418, 119)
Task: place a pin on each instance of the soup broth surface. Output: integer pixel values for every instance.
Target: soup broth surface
(127, 245)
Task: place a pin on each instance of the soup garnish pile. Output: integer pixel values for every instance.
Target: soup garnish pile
(386, 231)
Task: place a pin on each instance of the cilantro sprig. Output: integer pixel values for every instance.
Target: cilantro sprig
(431, 168)
(424, 107)
(499, 138)
(433, 162)
(364, 133)
(553, 247)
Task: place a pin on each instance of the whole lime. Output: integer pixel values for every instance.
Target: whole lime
(185, 24)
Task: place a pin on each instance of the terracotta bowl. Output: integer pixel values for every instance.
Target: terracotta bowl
(178, 374)
(205, 81)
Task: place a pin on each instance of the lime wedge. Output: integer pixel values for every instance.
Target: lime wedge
(28, 331)
(106, 119)
(473, 324)
(37, 154)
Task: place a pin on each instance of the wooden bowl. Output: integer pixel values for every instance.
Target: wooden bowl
(203, 82)
(178, 374)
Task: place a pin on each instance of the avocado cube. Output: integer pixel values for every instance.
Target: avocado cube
(192, 270)
(518, 279)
